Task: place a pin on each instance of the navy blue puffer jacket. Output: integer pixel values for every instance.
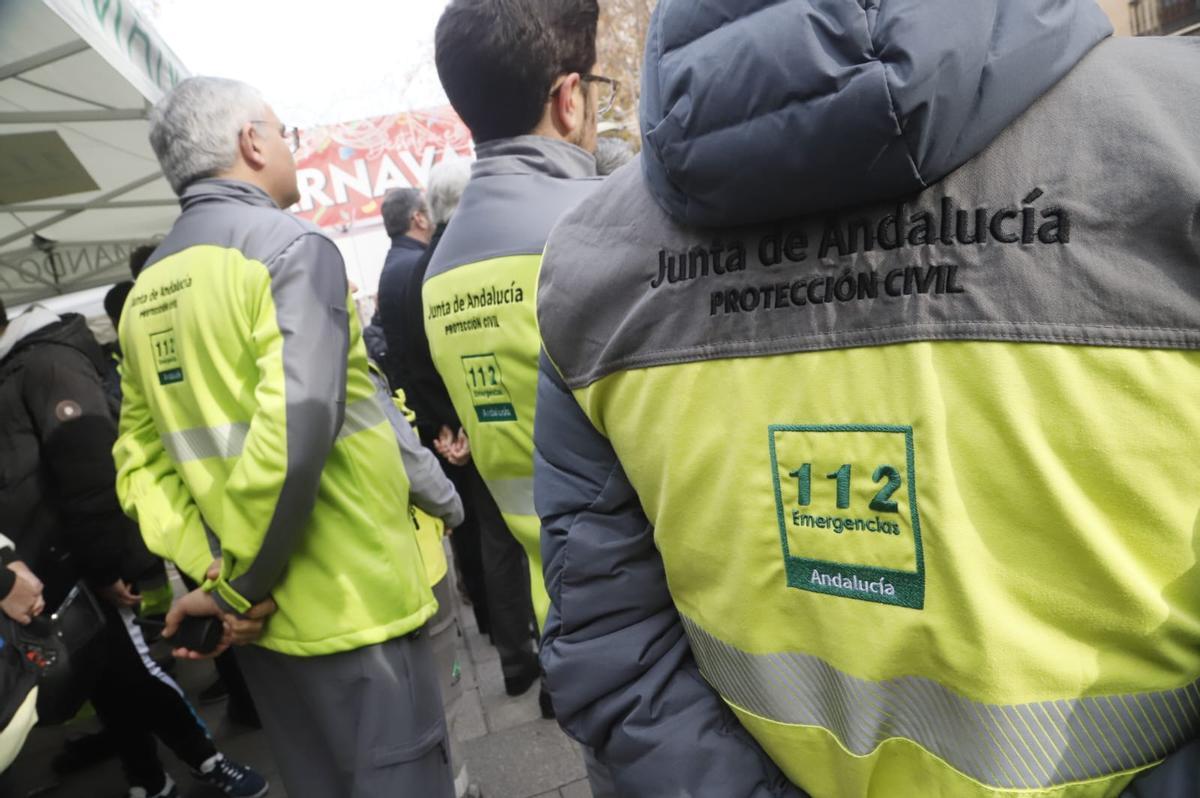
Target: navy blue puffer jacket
(754, 110)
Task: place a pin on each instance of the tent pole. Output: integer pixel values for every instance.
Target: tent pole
(43, 58)
(100, 200)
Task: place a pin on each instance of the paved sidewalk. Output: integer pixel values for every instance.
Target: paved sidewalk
(510, 752)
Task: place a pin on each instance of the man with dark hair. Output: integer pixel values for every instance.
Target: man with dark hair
(519, 73)
(138, 258)
(406, 220)
(114, 302)
(425, 393)
(499, 59)
(867, 423)
(406, 215)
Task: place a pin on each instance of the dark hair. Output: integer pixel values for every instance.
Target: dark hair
(3, 314)
(114, 301)
(497, 59)
(399, 205)
(138, 258)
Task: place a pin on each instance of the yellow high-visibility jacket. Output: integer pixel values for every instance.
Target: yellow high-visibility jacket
(251, 431)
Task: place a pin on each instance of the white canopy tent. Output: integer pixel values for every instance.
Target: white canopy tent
(79, 184)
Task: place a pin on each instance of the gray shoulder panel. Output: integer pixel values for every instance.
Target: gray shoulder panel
(506, 214)
(309, 289)
(259, 233)
(1080, 224)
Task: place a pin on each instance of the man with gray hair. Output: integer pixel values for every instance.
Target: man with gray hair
(255, 455)
(611, 154)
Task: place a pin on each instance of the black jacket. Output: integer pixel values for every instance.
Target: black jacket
(409, 364)
(58, 501)
(398, 266)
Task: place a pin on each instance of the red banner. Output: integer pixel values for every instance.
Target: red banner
(344, 170)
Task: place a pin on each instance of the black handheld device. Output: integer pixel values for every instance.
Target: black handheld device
(201, 634)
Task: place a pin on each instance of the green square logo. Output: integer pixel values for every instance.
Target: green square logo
(846, 501)
(166, 357)
(486, 383)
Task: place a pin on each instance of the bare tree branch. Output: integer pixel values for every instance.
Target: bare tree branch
(620, 43)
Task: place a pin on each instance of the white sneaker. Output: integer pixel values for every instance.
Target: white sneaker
(168, 790)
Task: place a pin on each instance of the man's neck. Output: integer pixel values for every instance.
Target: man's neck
(244, 175)
(547, 130)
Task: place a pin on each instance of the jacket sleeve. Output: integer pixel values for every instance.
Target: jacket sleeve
(618, 665)
(153, 494)
(8, 553)
(76, 431)
(374, 340)
(429, 488)
(300, 342)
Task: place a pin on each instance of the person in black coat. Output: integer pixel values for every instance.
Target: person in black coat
(59, 509)
(484, 551)
(406, 218)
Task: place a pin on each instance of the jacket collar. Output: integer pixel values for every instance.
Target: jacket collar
(533, 155)
(218, 189)
(407, 242)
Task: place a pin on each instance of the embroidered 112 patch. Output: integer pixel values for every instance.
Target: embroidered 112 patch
(846, 499)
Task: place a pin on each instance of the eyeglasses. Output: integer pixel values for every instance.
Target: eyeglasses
(290, 135)
(608, 91)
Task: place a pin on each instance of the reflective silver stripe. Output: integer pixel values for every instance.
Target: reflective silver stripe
(513, 496)
(1019, 746)
(361, 415)
(203, 443)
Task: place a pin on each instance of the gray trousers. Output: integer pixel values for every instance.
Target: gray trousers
(444, 636)
(366, 723)
(506, 576)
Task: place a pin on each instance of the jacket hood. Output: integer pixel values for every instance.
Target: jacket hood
(756, 110)
(21, 327)
(68, 330)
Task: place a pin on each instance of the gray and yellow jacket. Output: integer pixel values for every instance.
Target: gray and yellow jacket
(866, 435)
(480, 315)
(251, 429)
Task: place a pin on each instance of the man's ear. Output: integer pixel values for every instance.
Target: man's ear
(566, 109)
(250, 145)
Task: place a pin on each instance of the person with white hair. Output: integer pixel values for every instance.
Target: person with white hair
(612, 153)
(255, 455)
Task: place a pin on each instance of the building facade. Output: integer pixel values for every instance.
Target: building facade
(1119, 12)
(1159, 17)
